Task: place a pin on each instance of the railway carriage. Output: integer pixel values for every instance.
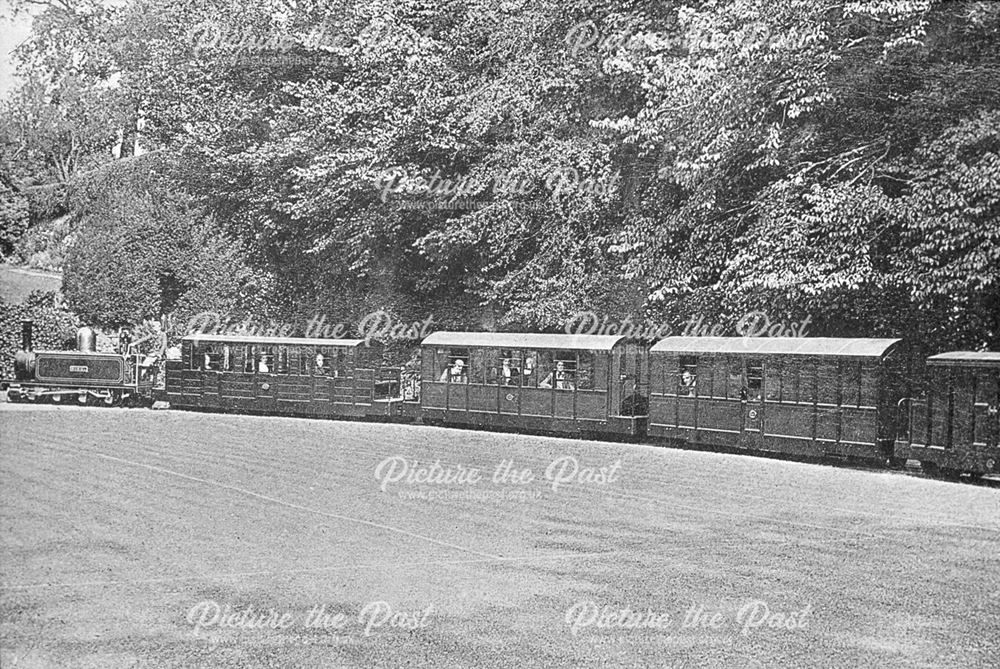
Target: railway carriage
(571, 384)
(811, 397)
(954, 426)
(341, 378)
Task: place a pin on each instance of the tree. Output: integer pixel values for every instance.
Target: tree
(141, 249)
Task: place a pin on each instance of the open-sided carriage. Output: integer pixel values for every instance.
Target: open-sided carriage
(283, 375)
(575, 384)
(810, 397)
(954, 426)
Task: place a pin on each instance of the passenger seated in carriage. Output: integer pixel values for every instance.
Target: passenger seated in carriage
(455, 373)
(688, 382)
(508, 373)
(563, 379)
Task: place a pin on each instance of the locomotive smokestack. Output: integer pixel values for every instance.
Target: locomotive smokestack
(26, 331)
(86, 340)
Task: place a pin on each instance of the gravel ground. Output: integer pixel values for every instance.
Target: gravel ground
(134, 538)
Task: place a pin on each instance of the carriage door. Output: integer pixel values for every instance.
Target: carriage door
(753, 403)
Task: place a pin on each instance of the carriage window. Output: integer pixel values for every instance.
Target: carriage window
(239, 358)
(333, 361)
(585, 371)
(281, 360)
(216, 357)
(265, 362)
(250, 359)
(772, 380)
(734, 385)
(455, 367)
(602, 362)
(850, 379)
(790, 380)
(706, 378)
(986, 388)
(197, 356)
(720, 377)
(557, 370)
(478, 365)
(322, 362)
(869, 379)
(531, 369)
(348, 359)
(227, 358)
(687, 375)
(668, 374)
(807, 382)
(305, 355)
(507, 365)
(827, 380)
(543, 368)
(755, 379)
(428, 366)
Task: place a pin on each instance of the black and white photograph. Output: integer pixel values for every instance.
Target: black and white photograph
(340, 334)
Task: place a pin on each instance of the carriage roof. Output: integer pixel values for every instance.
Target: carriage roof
(523, 340)
(966, 359)
(273, 341)
(822, 346)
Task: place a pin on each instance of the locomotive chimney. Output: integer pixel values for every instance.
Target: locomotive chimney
(26, 331)
(86, 340)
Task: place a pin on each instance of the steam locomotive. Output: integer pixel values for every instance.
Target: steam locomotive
(843, 399)
(83, 375)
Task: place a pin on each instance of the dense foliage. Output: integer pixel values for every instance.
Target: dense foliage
(141, 248)
(54, 327)
(508, 164)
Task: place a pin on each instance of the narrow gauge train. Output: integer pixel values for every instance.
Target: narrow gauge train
(83, 375)
(846, 399)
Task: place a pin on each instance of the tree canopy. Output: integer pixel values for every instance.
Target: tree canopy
(506, 164)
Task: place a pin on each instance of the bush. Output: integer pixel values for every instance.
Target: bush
(13, 219)
(54, 329)
(140, 247)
